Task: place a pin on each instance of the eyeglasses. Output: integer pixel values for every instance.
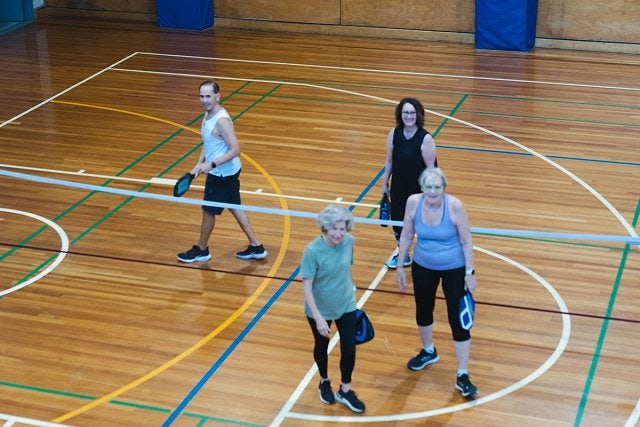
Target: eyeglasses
(409, 113)
(436, 188)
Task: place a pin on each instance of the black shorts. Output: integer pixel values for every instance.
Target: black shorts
(221, 189)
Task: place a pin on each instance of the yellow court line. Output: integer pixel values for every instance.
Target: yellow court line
(263, 285)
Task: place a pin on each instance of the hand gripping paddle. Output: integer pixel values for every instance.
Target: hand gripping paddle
(182, 185)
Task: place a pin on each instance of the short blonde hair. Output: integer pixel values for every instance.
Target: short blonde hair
(429, 172)
(333, 214)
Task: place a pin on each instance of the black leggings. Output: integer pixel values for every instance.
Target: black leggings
(347, 330)
(398, 205)
(425, 285)
(399, 193)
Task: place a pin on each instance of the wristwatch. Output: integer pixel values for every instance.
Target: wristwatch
(213, 165)
(470, 272)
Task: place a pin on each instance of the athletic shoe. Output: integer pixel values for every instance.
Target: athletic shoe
(464, 385)
(255, 252)
(350, 400)
(326, 394)
(195, 254)
(423, 359)
(392, 262)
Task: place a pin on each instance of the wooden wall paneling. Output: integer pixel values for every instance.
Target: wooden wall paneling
(600, 20)
(437, 15)
(137, 6)
(120, 305)
(308, 11)
(579, 24)
(129, 10)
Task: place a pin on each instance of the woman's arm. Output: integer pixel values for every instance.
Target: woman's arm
(428, 150)
(406, 238)
(461, 220)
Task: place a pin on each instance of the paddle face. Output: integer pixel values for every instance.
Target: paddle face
(466, 311)
(364, 328)
(384, 209)
(182, 185)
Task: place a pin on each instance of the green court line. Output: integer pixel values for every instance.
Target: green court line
(557, 241)
(458, 93)
(102, 220)
(435, 132)
(442, 110)
(451, 113)
(450, 92)
(237, 91)
(555, 119)
(604, 328)
(201, 417)
(67, 211)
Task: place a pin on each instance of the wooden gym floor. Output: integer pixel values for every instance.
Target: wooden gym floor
(101, 326)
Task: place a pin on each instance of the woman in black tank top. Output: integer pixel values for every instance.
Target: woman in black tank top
(410, 150)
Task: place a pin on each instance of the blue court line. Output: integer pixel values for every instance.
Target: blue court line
(196, 389)
(106, 183)
(605, 327)
(254, 321)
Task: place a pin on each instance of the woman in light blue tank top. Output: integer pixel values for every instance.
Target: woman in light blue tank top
(443, 252)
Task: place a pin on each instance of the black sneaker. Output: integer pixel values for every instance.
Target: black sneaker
(464, 385)
(255, 252)
(350, 400)
(195, 254)
(326, 394)
(423, 359)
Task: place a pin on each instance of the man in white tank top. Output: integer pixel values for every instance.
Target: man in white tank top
(219, 160)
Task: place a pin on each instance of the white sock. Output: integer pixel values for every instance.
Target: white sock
(429, 349)
(462, 372)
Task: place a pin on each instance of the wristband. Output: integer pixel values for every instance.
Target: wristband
(470, 272)
(213, 165)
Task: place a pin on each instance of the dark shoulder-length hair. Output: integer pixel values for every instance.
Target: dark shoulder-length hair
(419, 111)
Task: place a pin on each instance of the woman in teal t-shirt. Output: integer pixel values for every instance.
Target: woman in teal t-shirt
(329, 295)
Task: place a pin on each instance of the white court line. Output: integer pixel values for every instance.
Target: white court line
(24, 113)
(64, 247)
(171, 182)
(11, 420)
(408, 73)
(634, 417)
(542, 157)
(571, 175)
(560, 347)
(313, 369)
